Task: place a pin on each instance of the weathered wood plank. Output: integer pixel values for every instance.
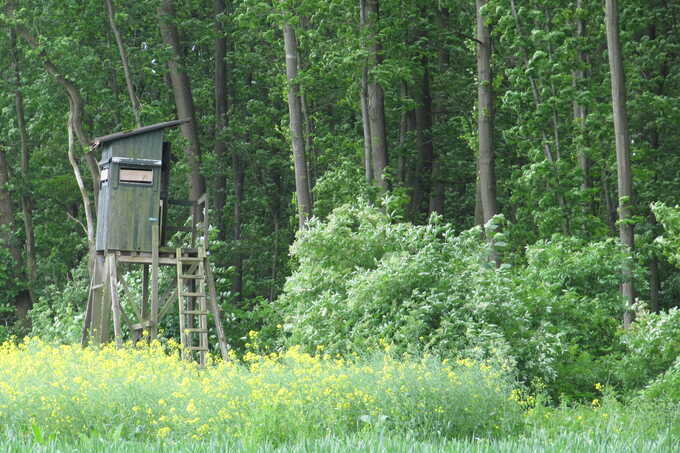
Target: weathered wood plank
(154, 278)
(115, 303)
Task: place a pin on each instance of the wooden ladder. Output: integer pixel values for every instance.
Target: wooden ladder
(196, 297)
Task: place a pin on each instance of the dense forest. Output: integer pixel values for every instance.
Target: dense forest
(489, 178)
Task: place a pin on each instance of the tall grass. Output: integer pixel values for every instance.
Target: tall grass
(374, 443)
(66, 392)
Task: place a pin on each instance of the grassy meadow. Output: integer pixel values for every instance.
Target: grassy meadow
(58, 398)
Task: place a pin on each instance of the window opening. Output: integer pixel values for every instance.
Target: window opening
(136, 175)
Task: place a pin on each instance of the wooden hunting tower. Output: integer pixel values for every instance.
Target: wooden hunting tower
(131, 228)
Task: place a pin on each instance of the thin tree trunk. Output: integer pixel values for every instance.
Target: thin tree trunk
(424, 143)
(295, 110)
(89, 217)
(22, 301)
(479, 213)
(184, 102)
(368, 159)
(437, 194)
(239, 177)
(485, 117)
(578, 76)
(487, 175)
(134, 101)
(625, 179)
(610, 206)
(221, 118)
(275, 256)
(26, 199)
(550, 155)
(403, 131)
(308, 127)
(376, 97)
(76, 106)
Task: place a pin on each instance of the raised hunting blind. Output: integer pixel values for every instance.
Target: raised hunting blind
(133, 176)
(131, 229)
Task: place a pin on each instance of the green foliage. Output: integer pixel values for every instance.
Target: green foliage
(652, 346)
(362, 279)
(57, 316)
(669, 217)
(666, 388)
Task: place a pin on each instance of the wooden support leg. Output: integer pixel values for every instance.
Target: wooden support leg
(96, 298)
(214, 309)
(154, 279)
(102, 324)
(87, 322)
(112, 265)
(145, 293)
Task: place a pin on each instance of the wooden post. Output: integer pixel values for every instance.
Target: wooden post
(154, 278)
(87, 322)
(95, 301)
(145, 293)
(215, 310)
(102, 323)
(112, 265)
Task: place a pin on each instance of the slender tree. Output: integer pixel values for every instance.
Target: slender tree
(134, 100)
(365, 121)
(485, 113)
(184, 101)
(376, 95)
(26, 196)
(625, 179)
(304, 199)
(221, 115)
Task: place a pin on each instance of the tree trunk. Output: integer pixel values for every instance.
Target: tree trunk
(487, 173)
(437, 194)
(376, 97)
(578, 76)
(485, 117)
(184, 102)
(221, 118)
(368, 159)
(479, 213)
(295, 111)
(625, 179)
(89, 217)
(134, 101)
(22, 301)
(76, 106)
(424, 143)
(239, 177)
(26, 199)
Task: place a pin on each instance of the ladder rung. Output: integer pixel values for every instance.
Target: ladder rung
(93, 287)
(189, 258)
(192, 276)
(195, 330)
(195, 312)
(192, 294)
(196, 348)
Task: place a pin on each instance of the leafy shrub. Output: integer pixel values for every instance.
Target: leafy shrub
(361, 279)
(666, 387)
(652, 346)
(58, 314)
(669, 217)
